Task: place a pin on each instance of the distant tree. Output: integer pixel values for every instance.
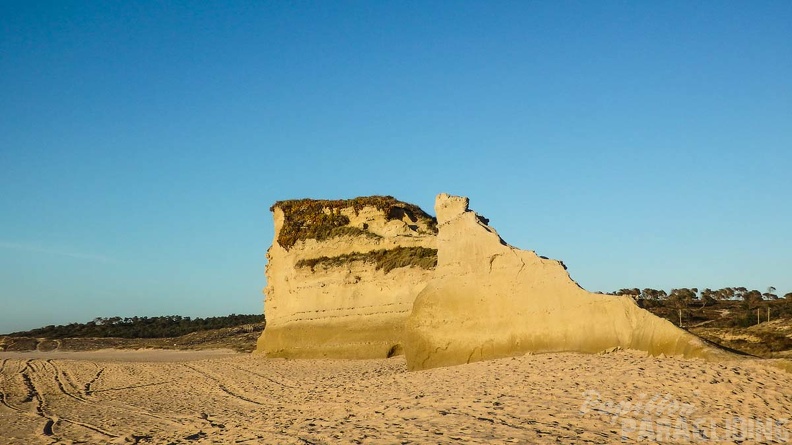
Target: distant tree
(727, 293)
(653, 294)
(770, 294)
(752, 300)
(681, 299)
(787, 306)
(649, 294)
(708, 296)
(635, 293)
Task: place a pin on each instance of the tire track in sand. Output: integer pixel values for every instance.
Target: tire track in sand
(129, 408)
(41, 403)
(57, 373)
(3, 395)
(222, 386)
(262, 376)
(87, 389)
(42, 409)
(3, 399)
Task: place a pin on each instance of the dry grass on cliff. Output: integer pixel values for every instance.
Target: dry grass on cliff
(322, 219)
(385, 259)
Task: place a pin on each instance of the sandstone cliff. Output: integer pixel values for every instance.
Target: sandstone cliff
(367, 277)
(342, 276)
(487, 299)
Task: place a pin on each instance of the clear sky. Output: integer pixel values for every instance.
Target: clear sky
(646, 144)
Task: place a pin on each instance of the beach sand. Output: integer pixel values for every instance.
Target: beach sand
(202, 397)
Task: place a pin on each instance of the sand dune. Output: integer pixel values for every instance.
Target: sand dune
(566, 398)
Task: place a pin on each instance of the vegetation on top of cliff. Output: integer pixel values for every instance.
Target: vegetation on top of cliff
(385, 259)
(322, 219)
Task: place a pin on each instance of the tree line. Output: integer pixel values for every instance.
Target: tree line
(682, 299)
(140, 327)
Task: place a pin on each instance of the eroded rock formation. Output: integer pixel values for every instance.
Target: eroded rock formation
(488, 300)
(342, 276)
(365, 278)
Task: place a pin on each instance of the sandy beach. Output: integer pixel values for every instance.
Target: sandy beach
(216, 397)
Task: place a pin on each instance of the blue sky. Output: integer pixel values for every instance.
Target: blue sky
(646, 144)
